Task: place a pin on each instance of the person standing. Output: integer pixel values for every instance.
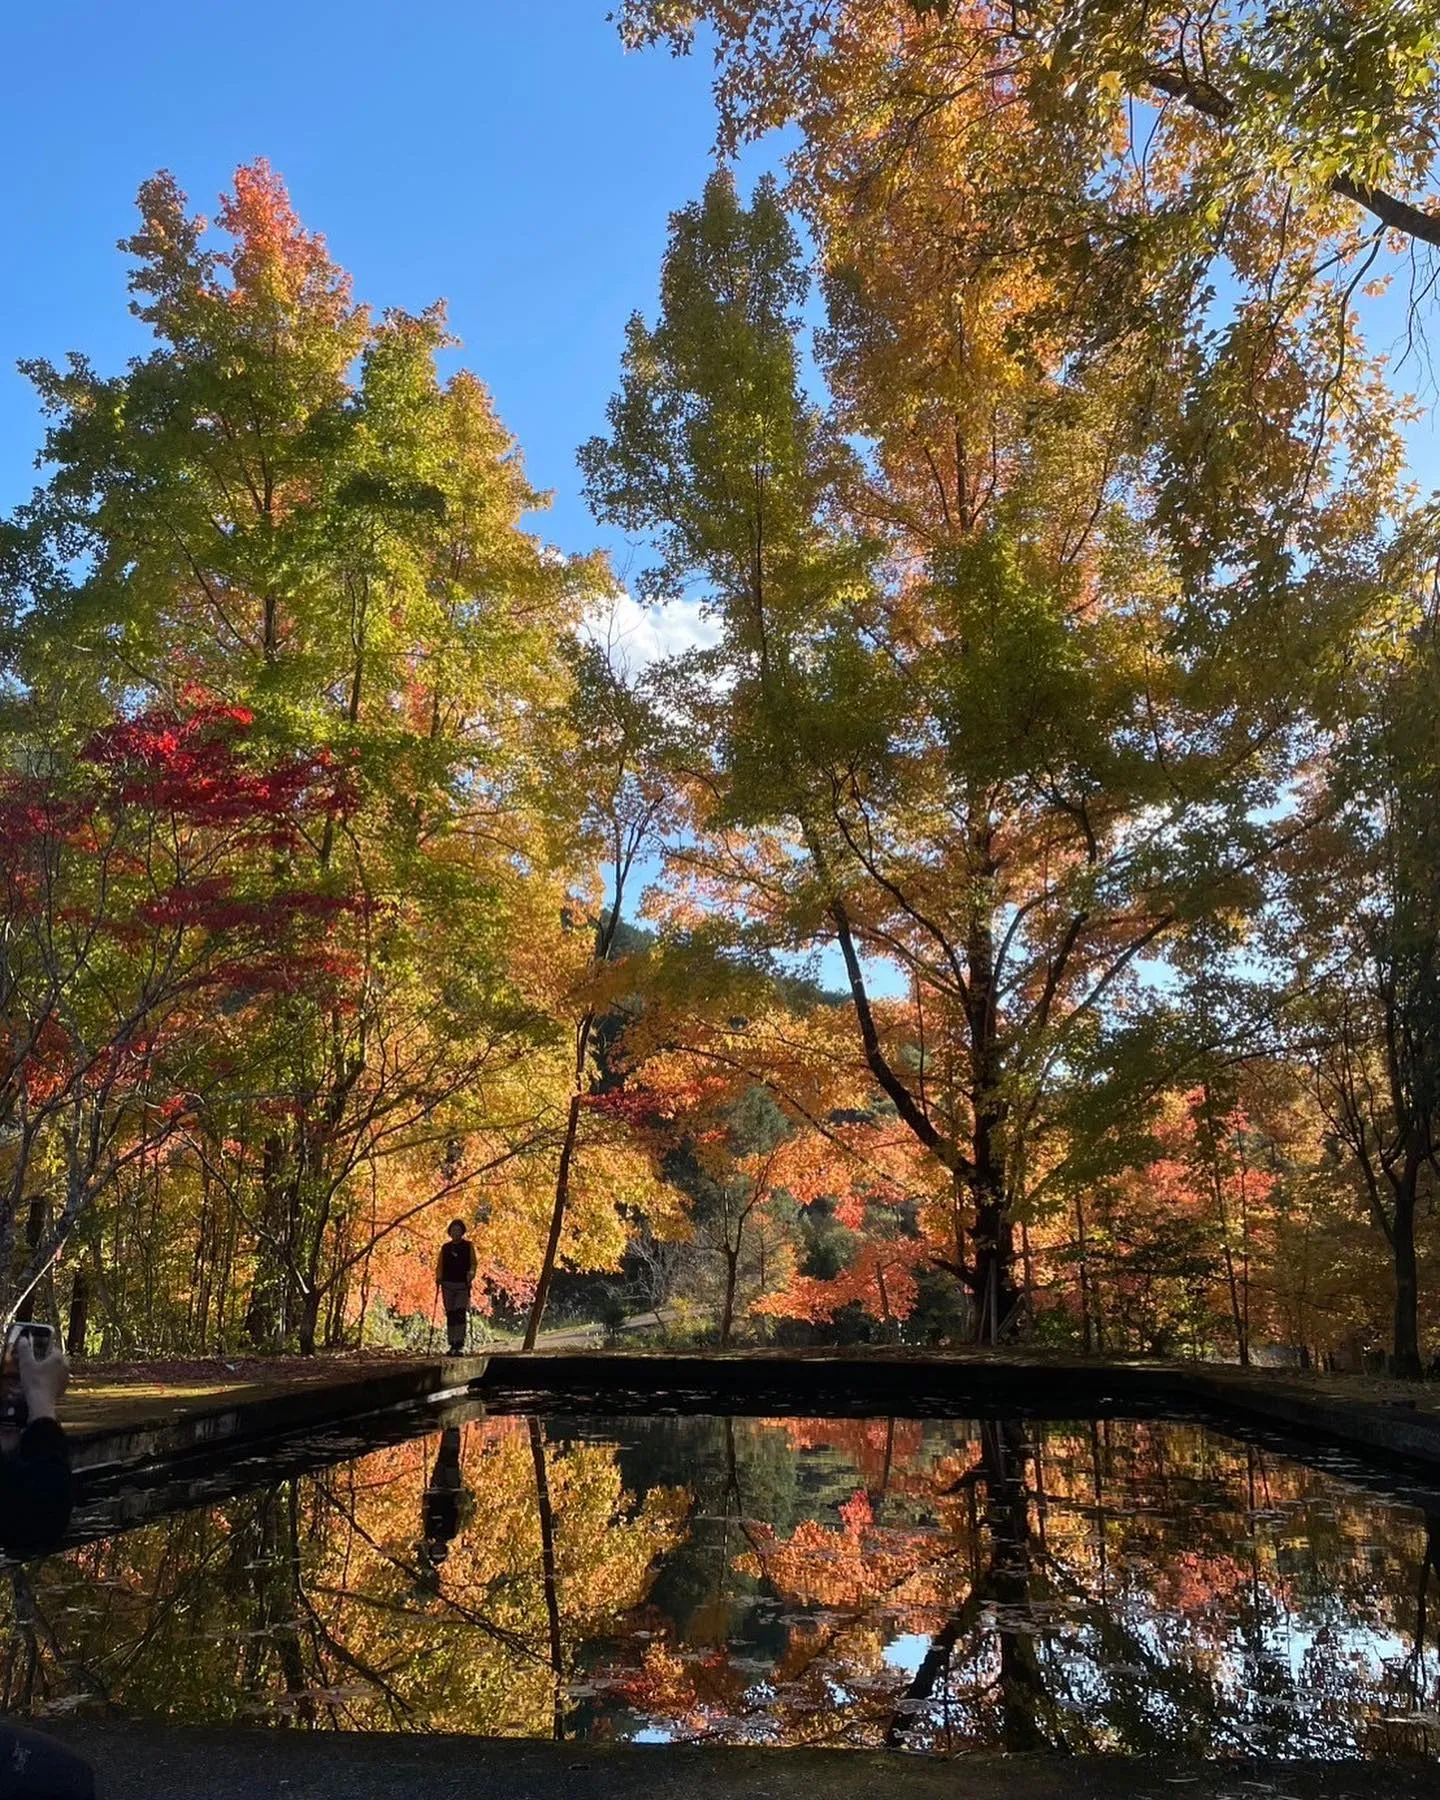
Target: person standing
(454, 1276)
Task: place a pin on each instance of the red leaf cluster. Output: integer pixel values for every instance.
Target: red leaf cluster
(192, 767)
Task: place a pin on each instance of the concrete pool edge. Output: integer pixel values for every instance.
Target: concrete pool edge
(1370, 1415)
(186, 1763)
(249, 1414)
(1399, 1420)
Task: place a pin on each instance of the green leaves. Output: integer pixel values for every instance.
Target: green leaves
(283, 505)
(712, 447)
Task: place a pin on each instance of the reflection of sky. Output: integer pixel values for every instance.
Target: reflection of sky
(1083, 1671)
(907, 1652)
(1291, 1665)
(1205, 1625)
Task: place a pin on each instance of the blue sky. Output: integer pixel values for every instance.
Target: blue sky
(511, 158)
(508, 157)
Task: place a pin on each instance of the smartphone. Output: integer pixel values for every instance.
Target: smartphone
(13, 1410)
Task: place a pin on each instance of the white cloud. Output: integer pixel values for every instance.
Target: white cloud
(640, 635)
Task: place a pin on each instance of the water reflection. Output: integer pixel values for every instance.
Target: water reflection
(440, 1515)
(928, 1586)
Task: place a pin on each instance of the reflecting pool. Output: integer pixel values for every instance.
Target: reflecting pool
(931, 1586)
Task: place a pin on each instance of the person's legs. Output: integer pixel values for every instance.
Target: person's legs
(456, 1295)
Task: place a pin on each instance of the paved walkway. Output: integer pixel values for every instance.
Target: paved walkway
(109, 1398)
(120, 1422)
(151, 1763)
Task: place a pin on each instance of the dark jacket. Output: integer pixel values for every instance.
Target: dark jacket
(36, 1491)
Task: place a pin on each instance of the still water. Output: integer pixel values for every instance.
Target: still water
(931, 1586)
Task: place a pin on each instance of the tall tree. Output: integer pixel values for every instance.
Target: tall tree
(1016, 763)
(1361, 917)
(129, 906)
(1181, 127)
(283, 505)
(622, 803)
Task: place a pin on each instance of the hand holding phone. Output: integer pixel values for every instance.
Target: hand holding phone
(33, 1374)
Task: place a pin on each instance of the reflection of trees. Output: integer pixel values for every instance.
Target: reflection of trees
(734, 1471)
(31, 1648)
(1124, 1587)
(1004, 1585)
(1415, 1692)
(546, 1517)
(1429, 1564)
(864, 1582)
(315, 1602)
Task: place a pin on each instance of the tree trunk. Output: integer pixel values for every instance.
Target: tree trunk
(79, 1321)
(1004, 1581)
(7, 1258)
(35, 1224)
(1237, 1313)
(309, 1320)
(264, 1316)
(1406, 1359)
(1022, 1682)
(572, 1123)
(547, 1570)
(996, 1294)
(557, 1220)
(727, 1311)
(1028, 1267)
(1091, 1334)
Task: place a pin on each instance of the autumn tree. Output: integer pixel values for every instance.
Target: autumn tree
(1155, 225)
(1126, 154)
(736, 1148)
(283, 503)
(1360, 926)
(132, 908)
(1014, 764)
(623, 802)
